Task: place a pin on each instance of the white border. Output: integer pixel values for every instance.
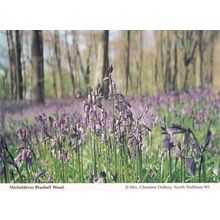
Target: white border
(118, 15)
(114, 14)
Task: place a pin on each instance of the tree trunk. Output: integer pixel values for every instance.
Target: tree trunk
(58, 60)
(19, 66)
(185, 86)
(189, 53)
(167, 81)
(161, 52)
(37, 66)
(51, 61)
(4, 84)
(194, 72)
(11, 55)
(175, 64)
(52, 64)
(211, 58)
(87, 73)
(25, 76)
(141, 61)
(27, 57)
(77, 52)
(10, 63)
(156, 70)
(54, 77)
(70, 62)
(127, 61)
(105, 38)
(201, 56)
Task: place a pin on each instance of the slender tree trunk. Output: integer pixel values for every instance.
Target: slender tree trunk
(201, 56)
(28, 92)
(15, 77)
(10, 63)
(37, 66)
(11, 55)
(53, 65)
(175, 64)
(161, 52)
(189, 53)
(211, 59)
(19, 66)
(58, 60)
(70, 62)
(167, 81)
(105, 38)
(141, 61)
(185, 86)
(157, 48)
(194, 72)
(51, 61)
(23, 61)
(25, 77)
(156, 70)
(78, 62)
(87, 73)
(4, 84)
(78, 55)
(127, 61)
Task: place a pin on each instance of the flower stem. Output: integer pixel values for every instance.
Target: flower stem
(170, 166)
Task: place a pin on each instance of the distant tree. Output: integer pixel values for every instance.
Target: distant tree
(69, 61)
(167, 81)
(156, 62)
(105, 38)
(206, 55)
(127, 69)
(212, 51)
(52, 63)
(27, 63)
(201, 56)
(58, 60)
(189, 43)
(156, 68)
(12, 63)
(79, 63)
(19, 65)
(14, 54)
(162, 51)
(174, 82)
(37, 66)
(138, 48)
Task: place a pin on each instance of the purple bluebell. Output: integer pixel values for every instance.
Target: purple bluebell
(40, 175)
(167, 143)
(191, 165)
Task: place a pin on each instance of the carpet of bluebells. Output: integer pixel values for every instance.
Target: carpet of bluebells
(170, 138)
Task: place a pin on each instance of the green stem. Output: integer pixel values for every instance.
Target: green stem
(94, 157)
(184, 170)
(79, 168)
(170, 166)
(115, 158)
(140, 164)
(126, 162)
(81, 162)
(161, 169)
(181, 169)
(27, 171)
(63, 179)
(200, 168)
(73, 162)
(5, 173)
(203, 169)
